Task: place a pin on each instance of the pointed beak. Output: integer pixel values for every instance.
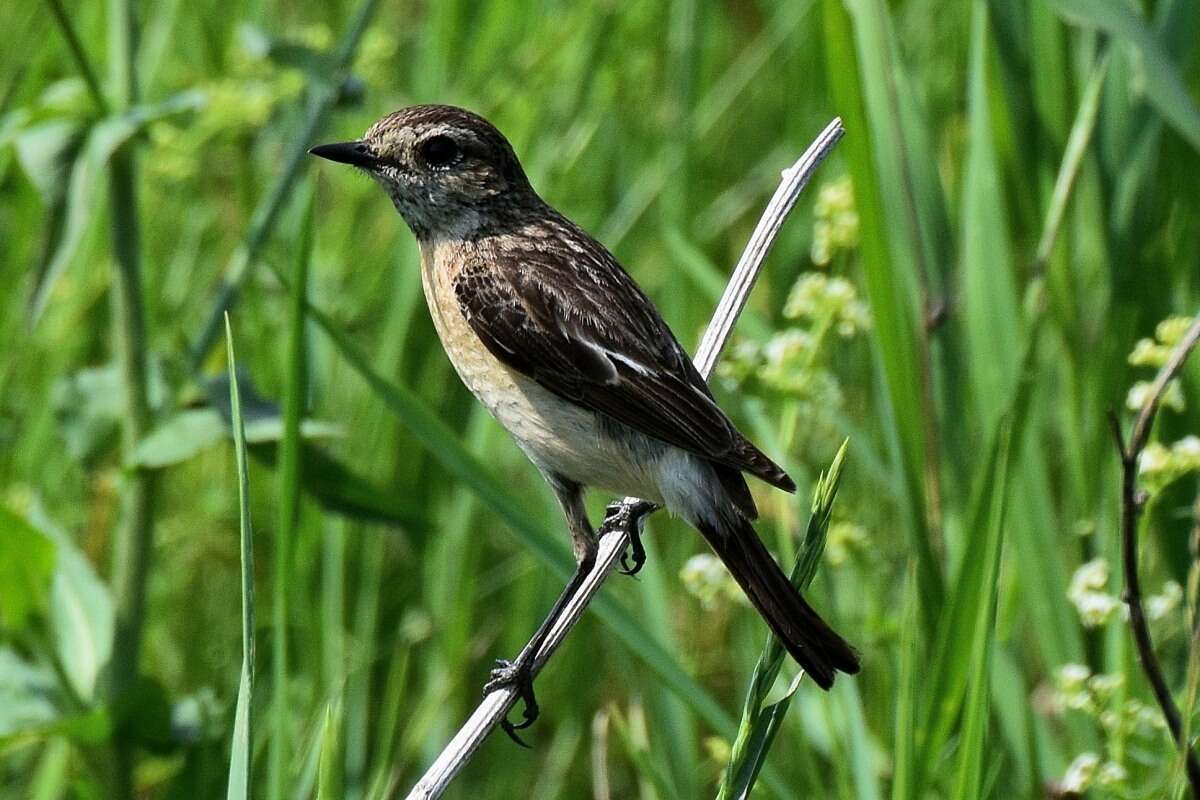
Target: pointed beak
(357, 154)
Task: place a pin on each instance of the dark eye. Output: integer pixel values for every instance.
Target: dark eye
(440, 151)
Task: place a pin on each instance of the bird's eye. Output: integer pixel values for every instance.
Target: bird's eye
(440, 151)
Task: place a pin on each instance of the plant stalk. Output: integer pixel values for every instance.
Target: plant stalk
(132, 544)
(1131, 507)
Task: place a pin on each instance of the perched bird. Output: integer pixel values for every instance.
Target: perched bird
(570, 356)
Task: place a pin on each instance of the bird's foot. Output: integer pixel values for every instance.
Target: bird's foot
(633, 558)
(517, 674)
(629, 518)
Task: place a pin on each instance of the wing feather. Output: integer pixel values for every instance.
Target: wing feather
(578, 325)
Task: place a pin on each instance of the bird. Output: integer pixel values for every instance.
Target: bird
(557, 341)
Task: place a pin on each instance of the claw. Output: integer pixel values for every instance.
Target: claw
(638, 559)
(626, 517)
(516, 674)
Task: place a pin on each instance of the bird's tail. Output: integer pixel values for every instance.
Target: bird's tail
(815, 646)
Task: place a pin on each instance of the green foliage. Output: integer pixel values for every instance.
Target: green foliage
(241, 760)
(1001, 250)
(760, 721)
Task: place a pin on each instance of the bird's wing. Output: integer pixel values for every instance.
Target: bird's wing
(576, 323)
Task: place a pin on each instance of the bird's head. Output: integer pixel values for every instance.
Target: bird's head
(448, 171)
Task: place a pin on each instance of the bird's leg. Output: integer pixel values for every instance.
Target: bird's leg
(630, 518)
(518, 673)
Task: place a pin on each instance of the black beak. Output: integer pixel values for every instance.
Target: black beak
(357, 154)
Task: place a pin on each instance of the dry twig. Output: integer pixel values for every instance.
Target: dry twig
(1132, 501)
(622, 517)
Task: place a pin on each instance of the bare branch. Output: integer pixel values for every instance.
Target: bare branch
(1131, 504)
(622, 516)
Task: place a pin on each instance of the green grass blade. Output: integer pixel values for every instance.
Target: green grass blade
(956, 628)
(759, 723)
(893, 310)
(904, 750)
(993, 323)
(971, 746)
(290, 448)
(241, 760)
(1165, 88)
(329, 770)
(1077, 143)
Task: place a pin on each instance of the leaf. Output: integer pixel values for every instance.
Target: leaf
(909, 677)
(289, 475)
(958, 646)
(88, 407)
(760, 722)
(241, 760)
(971, 746)
(182, 436)
(46, 152)
(329, 768)
(992, 319)
(25, 695)
(891, 282)
(332, 483)
(81, 610)
(103, 139)
(26, 570)
(187, 432)
(1165, 88)
(258, 43)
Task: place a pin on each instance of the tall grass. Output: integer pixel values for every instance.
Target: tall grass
(1014, 202)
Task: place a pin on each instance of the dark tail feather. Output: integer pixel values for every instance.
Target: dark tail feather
(815, 646)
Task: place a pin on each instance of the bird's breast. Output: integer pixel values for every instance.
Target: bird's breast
(557, 435)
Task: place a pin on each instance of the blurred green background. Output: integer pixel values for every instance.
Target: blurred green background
(999, 252)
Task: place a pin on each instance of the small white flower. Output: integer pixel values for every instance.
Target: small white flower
(1145, 716)
(1172, 329)
(707, 579)
(1081, 773)
(1137, 396)
(1103, 685)
(1147, 353)
(1139, 393)
(1187, 452)
(1073, 676)
(1155, 458)
(1160, 605)
(1095, 607)
(1111, 774)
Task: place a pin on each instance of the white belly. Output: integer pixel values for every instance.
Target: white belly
(558, 436)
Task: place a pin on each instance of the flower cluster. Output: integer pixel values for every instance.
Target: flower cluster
(836, 227)
(1088, 771)
(1098, 607)
(1087, 593)
(1102, 697)
(1159, 464)
(1155, 352)
(706, 579)
(794, 361)
(821, 299)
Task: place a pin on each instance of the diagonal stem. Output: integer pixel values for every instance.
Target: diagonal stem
(1131, 506)
(262, 224)
(82, 62)
(627, 516)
